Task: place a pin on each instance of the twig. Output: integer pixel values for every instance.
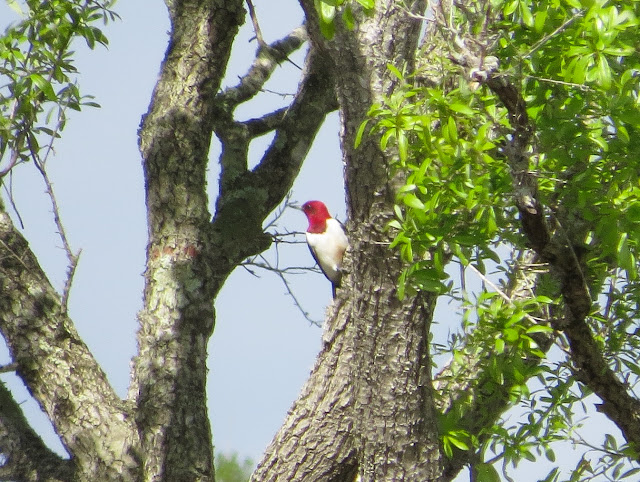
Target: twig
(584, 88)
(497, 289)
(12, 201)
(281, 274)
(73, 258)
(256, 25)
(15, 156)
(544, 40)
(267, 59)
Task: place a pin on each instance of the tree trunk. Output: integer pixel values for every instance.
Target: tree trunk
(368, 406)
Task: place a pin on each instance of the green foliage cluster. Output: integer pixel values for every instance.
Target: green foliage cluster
(36, 69)
(328, 9)
(230, 469)
(576, 65)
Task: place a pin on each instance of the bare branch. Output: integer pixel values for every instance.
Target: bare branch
(281, 273)
(256, 25)
(267, 59)
(9, 367)
(264, 124)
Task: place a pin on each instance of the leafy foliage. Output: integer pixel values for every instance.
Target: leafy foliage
(328, 9)
(36, 68)
(230, 469)
(576, 66)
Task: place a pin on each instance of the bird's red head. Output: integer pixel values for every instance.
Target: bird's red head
(317, 214)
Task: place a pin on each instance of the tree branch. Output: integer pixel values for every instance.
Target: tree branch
(72, 257)
(458, 379)
(268, 58)
(247, 197)
(266, 123)
(27, 457)
(557, 248)
(183, 274)
(56, 365)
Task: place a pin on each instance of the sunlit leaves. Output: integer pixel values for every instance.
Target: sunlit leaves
(577, 67)
(36, 68)
(331, 10)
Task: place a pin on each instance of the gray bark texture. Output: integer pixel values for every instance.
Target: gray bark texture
(369, 408)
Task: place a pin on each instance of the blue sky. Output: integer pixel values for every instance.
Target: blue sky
(262, 349)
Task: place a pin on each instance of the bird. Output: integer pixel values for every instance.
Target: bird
(327, 241)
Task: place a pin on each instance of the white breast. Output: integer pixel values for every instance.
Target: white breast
(328, 249)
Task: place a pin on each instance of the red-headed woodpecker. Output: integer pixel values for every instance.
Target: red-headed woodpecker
(327, 240)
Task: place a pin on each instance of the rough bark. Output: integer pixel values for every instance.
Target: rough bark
(177, 318)
(188, 256)
(27, 457)
(367, 408)
(60, 373)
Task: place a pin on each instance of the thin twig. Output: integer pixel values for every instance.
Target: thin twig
(256, 25)
(73, 258)
(281, 274)
(497, 289)
(15, 157)
(12, 201)
(584, 88)
(546, 38)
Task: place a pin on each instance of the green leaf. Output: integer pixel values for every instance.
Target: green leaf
(539, 329)
(412, 201)
(626, 259)
(527, 17)
(629, 473)
(395, 71)
(403, 146)
(44, 85)
(603, 73)
(360, 133)
(327, 10)
(367, 4)
(462, 109)
(486, 473)
(347, 18)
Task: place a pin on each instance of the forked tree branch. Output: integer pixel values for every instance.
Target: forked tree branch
(248, 196)
(268, 58)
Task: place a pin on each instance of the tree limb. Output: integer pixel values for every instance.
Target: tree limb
(170, 374)
(27, 457)
(268, 58)
(557, 248)
(56, 365)
(248, 196)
